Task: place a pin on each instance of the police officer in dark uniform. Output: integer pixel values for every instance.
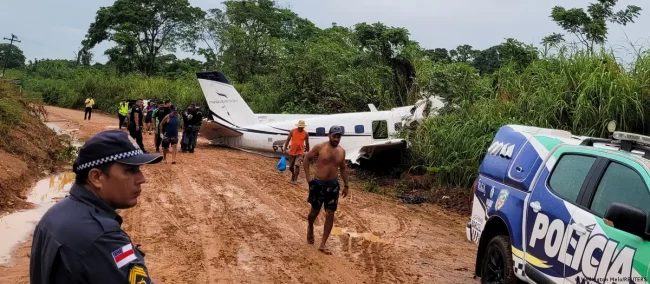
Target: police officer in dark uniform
(195, 125)
(80, 239)
(187, 116)
(135, 122)
(163, 110)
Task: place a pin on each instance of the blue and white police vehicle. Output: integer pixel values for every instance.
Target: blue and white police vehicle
(552, 207)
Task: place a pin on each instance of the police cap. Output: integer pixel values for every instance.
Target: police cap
(112, 146)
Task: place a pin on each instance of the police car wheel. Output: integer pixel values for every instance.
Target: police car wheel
(497, 264)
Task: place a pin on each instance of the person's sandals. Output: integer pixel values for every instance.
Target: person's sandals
(310, 239)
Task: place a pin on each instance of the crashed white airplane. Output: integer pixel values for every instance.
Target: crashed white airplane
(366, 134)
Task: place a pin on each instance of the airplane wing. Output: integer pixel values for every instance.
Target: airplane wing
(212, 130)
(366, 152)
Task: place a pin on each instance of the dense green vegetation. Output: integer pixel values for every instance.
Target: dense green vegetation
(283, 63)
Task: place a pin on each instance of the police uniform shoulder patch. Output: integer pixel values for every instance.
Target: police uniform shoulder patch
(137, 275)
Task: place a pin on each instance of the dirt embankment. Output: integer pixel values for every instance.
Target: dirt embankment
(28, 148)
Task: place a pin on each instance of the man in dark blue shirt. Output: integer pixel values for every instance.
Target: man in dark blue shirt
(80, 239)
(169, 133)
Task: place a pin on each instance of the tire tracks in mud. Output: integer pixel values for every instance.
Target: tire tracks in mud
(368, 255)
(262, 216)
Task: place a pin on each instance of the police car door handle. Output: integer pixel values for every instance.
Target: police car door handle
(579, 229)
(536, 206)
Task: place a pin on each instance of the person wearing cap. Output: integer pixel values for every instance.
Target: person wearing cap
(80, 239)
(169, 133)
(299, 139)
(324, 188)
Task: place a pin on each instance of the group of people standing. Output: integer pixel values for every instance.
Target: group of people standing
(162, 120)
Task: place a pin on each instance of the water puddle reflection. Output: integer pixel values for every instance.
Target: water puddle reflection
(16, 227)
(54, 127)
(337, 231)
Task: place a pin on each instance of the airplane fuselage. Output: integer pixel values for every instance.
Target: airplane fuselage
(362, 128)
(366, 134)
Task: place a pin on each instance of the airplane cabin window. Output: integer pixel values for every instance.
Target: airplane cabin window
(358, 129)
(320, 131)
(398, 126)
(379, 129)
(343, 128)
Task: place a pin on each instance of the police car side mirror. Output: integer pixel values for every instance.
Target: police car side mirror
(627, 218)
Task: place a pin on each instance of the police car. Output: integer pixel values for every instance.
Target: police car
(551, 207)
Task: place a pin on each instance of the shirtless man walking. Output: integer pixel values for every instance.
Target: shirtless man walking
(324, 188)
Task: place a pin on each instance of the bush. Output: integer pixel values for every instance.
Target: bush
(579, 93)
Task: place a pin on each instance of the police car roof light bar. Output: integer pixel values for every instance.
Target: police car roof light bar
(625, 136)
(629, 141)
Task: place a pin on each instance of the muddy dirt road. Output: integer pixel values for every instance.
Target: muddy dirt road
(226, 216)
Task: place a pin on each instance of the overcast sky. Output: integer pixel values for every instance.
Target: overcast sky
(54, 29)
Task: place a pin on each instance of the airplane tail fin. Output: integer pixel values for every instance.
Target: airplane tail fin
(226, 104)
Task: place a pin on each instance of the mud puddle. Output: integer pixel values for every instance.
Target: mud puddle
(16, 227)
(59, 131)
(336, 231)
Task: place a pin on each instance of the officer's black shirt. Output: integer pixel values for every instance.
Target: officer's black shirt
(186, 119)
(135, 109)
(162, 112)
(76, 240)
(197, 116)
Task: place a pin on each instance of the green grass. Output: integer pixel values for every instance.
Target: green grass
(577, 92)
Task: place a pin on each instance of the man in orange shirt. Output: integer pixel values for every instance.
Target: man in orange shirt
(299, 144)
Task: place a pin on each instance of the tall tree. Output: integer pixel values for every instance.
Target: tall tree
(14, 55)
(489, 60)
(143, 30)
(591, 27)
(463, 53)
(386, 45)
(211, 31)
(253, 33)
(439, 55)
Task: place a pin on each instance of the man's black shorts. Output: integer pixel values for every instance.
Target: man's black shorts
(169, 140)
(324, 194)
